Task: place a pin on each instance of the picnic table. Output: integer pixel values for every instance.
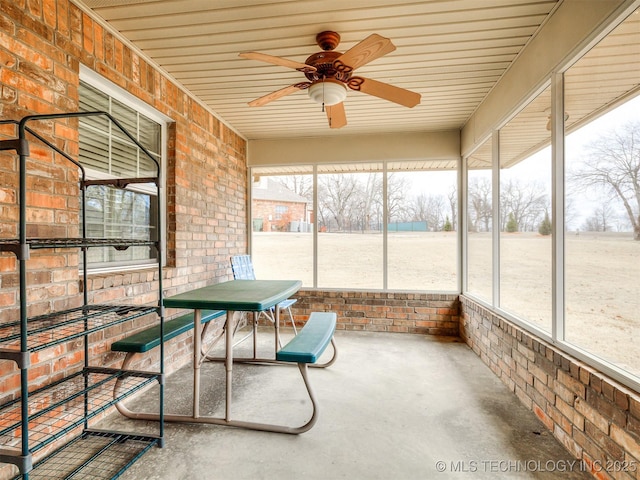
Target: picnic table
(233, 296)
(230, 299)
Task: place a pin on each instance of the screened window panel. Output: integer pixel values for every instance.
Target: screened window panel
(526, 253)
(282, 247)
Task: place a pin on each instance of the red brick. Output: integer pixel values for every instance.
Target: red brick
(621, 399)
(628, 442)
(98, 38)
(33, 104)
(592, 415)
(47, 201)
(544, 418)
(572, 384)
(634, 406)
(26, 86)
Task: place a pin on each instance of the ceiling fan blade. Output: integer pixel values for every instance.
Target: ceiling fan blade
(372, 47)
(385, 91)
(259, 102)
(336, 115)
(283, 62)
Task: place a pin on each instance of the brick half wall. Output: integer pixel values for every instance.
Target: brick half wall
(421, 313)
(594, 417)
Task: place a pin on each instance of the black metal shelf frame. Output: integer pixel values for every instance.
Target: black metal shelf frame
(59, 407)
(36, 243)
(94, 454)
(18, 339)
(48, 330)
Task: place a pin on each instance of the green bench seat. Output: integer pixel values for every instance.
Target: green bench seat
(311, 341)
(149, 338)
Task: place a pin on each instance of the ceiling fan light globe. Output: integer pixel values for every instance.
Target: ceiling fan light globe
(328, 93)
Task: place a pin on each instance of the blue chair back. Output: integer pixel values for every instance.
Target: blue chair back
(242, 267)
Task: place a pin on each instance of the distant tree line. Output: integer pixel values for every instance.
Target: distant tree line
(524, 207)
(611, 167)
(353, 202)
(609, 171)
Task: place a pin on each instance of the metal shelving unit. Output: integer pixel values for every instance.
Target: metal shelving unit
(51, 423)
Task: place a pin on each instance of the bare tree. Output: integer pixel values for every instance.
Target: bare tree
(350, 201)
(600, 220)
(480, 205)
(570, 213)
(369, 206)
(354, 202)
(526, 202)
(300, 184)
(335, 199)
(613, 165)
(436, 213)
(419, 208)
(452, 196)
(397, 188)
(430, 209)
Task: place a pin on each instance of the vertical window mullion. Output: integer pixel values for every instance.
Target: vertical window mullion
(316, 218)
(557, 205)
(495, 221)
(461, 225)
(137, 134)
(385, 220)
(110, 139)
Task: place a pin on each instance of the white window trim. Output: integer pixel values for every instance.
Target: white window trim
(97, 81)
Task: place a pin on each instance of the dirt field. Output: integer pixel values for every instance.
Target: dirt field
(602, 276)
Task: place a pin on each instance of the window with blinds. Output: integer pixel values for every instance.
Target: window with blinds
(106, 152)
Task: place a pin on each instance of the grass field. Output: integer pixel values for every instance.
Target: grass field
(602, 276)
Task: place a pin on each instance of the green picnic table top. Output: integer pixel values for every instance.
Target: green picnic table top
(236, 295)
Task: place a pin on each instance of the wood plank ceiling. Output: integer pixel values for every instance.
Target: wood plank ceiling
(452, 52)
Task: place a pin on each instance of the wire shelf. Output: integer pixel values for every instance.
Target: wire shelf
(10, 245)
(93, 455)
(51, 329)
(58, 408)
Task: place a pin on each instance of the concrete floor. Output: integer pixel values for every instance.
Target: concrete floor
(393, 406)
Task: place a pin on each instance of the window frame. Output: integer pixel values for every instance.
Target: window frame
(98, 82)
(384, 168)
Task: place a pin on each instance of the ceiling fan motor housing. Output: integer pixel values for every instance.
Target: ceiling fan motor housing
(325, 67)
(328, 40)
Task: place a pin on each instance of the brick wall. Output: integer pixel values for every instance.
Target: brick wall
(594, 417)
(422, 313)
(265, 210)
(42, 45)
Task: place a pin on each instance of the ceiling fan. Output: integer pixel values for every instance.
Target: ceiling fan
(329, 73)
